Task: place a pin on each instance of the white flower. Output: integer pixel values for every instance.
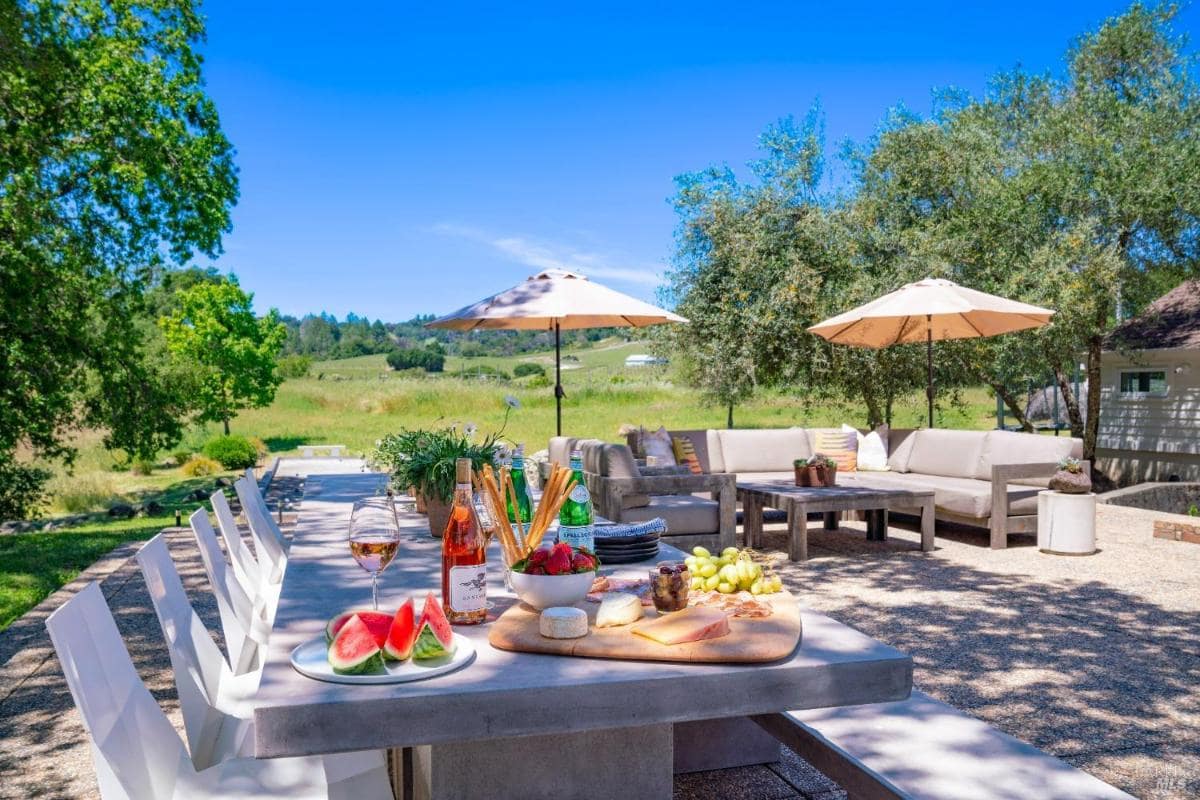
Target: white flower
(511, 401)
(469, 429)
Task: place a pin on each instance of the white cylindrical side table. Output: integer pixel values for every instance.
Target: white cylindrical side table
(1066, 523)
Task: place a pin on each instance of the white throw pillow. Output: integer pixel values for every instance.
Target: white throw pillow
(873, 450)
(657, 445)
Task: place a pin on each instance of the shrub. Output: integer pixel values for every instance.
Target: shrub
(142, 466)
(199, 466)
(180, 457)
(233, 452)
(260, 447)
(539, 382)
(22, 489)
(293, 366)
(528, 368)
(425, 358)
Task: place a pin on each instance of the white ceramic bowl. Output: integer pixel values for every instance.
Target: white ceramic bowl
(548, 591)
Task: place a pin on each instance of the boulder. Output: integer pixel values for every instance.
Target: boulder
(198, 495)
(224, 483)
(153, 508)
(122, 511)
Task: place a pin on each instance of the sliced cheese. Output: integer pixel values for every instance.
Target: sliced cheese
(692, 624)
(563, 622)
(618, 608)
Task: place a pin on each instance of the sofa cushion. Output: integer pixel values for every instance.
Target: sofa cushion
(559, 450)
(683, 513)
(769, 450)
(966, 496)
(711, 459)
(1011, 447)
(952, 454)
(900, 445)
(613, 461)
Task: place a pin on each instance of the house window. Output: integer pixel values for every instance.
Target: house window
(1144, 383)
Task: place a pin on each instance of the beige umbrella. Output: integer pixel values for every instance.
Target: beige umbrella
(927, 310)
(556, 300)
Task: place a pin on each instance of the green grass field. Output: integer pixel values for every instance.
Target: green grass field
(353, 402)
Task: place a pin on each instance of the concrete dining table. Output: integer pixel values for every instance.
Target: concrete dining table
(525, 725)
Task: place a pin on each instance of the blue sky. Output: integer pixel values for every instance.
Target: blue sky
(398, 161)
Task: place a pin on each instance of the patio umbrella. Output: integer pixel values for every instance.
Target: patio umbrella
(928, 310)
(556, 300)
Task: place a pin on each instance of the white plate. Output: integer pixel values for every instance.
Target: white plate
(310, 659)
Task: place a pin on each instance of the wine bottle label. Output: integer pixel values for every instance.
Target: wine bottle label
(578, 536)
(580, 494)
(468, 588)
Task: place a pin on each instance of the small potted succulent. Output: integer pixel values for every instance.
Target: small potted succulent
(1071, 477)
(826, 469)
(800, 465)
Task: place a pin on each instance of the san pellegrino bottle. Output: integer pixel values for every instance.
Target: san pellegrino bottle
(464, 556)
(524, 504)
(575, 520)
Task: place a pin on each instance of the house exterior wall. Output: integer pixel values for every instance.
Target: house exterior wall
(1145, 438)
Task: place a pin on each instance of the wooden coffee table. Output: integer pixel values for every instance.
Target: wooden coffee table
(798, 501)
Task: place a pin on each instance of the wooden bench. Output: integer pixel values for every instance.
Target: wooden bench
(923, 749)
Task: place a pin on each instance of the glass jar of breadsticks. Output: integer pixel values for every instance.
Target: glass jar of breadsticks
(517, 541)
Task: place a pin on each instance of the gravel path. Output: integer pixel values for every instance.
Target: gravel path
(1091, 659)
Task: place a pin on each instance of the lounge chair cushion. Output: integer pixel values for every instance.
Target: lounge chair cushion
(948, 453)
(683, 513)
(771, 450)
(614, 461)
(900, 445)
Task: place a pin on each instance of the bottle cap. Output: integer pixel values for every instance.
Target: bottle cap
(462, 469)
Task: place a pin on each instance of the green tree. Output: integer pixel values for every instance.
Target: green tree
(231, 353)
(112, 165)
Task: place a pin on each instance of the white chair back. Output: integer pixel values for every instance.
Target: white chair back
(269, 545)
(246, 567)
(235, 607)
(135, 748)
(199, 666)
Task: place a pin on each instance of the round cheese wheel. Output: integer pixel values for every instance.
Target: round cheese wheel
(563, 623)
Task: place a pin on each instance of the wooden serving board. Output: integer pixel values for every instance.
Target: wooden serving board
(750, 641)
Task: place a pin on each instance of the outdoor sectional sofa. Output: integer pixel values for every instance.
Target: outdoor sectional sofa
(986, 479)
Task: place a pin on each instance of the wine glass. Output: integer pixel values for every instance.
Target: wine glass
(374, 539)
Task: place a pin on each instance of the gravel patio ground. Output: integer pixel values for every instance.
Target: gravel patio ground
(1092, 659)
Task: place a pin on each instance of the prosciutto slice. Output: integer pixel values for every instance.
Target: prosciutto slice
(689, 625)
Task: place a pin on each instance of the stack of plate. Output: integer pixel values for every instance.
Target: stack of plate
(626, 549)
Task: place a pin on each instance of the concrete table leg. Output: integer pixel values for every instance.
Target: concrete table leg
(927, 524)
(798, 532)
(722, 743)
(623, 762)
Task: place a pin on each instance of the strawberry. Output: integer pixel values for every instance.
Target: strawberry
(536, 569)
(538, 557)
(582, 562)
(559, 562)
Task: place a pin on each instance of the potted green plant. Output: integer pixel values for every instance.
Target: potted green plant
(800, 465)
(826, 470)
(424, 460)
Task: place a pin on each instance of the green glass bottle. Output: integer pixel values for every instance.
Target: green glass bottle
(524, 504)
(575, 520)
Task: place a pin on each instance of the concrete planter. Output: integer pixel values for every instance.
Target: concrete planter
(439, 515)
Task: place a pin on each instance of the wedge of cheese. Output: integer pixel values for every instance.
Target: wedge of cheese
(689, 625)
(618, 608)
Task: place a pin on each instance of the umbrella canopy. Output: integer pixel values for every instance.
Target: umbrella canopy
(556, 300)
(928, 310)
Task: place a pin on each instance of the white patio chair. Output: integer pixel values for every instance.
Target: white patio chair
(254, 496)
(136, 751)
(244, 631)
(214, 702)
(246, 567)
(270, 548)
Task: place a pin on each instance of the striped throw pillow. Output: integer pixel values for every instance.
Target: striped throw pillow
(840, 445)
(685, 453)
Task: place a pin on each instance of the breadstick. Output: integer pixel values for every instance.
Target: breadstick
(507, 541)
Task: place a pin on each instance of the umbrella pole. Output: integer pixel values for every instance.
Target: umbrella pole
(929, 364)
(558, 390)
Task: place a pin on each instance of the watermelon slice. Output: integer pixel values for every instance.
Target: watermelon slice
(378, 622)
(354, 650)
(403, 634)
(435, 639)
